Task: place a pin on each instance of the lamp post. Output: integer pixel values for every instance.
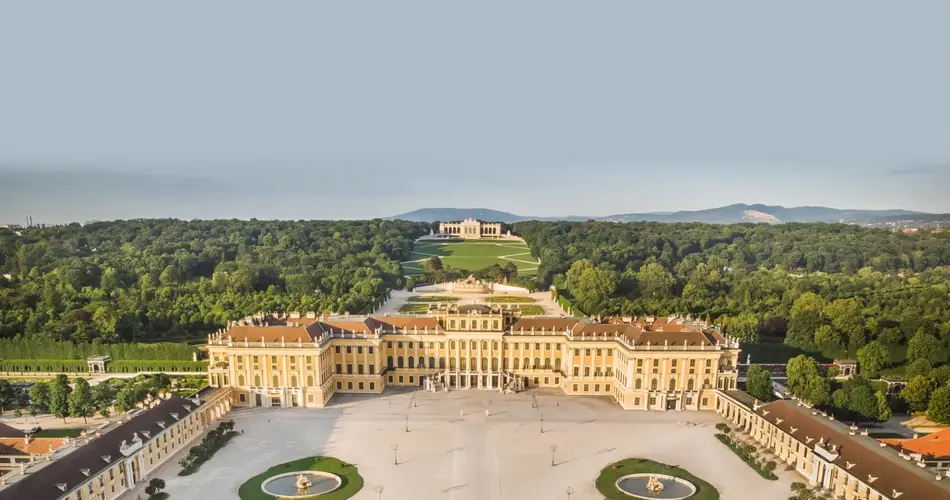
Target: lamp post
(395, 448)
(553, 448)
(542, 423)
(407, 423)
(569, 491)
(379, 491)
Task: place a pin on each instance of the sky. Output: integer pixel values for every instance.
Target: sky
(326, 110)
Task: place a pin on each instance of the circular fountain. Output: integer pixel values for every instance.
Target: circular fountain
(301, 484)
(650, 486)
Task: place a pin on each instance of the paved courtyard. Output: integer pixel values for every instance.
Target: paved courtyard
(454, 451)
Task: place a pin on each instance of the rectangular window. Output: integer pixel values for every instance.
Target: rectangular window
(484, 324)
(462, 324)
(636, 401)
(546, 380)
(359, 350)
(349, 369)
(557, 346)
(400, 379)
(399, 345)
(586, 387)
(359, 368)
(537, 346)
(547, 346)
(607, 388)
(339, 368)
(586, 352)
(575, 388)
(452, 324)
(337, 349)
(389, 344)
(349, 349)
(372, 386)
(587, 371)
(610, 352)
(577, 371)
(557, 380)
(310, 398)
(596, 387)
(372, 369)
(339, 385)
(410, 345)
(410, 379)
(390, 379)
(577, 352)
(361, 386)
(349, 385)
(600, 352)
(243, 398)
(371, 349)
(704, 401)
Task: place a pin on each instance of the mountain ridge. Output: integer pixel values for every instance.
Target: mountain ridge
(729, 214)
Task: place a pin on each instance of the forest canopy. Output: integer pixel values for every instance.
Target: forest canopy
(154, 279)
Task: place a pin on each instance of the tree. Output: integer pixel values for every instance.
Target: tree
(7, 396)
(872, 358)
(800, 370)
(759, 383)
(590, 286)
(155, 486)
(840, 399)
(744, 328)
(923, 346)
(80, 400)
(433, 265)
(883, 409)
(39, 397)
(59, 397)
(654, 281)
(921, 366)
(917, 392)
(103, 395)
(126, 398)
(819, 391)
(804, 319)
(939, 408)
(864, 403)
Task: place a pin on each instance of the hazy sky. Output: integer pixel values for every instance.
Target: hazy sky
(363, 109)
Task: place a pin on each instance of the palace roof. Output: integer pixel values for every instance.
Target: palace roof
(88, 460)
(879, 468)
(934, 446)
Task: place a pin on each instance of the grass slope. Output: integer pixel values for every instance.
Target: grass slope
(607, 481)
(472, 255)
(352, 481)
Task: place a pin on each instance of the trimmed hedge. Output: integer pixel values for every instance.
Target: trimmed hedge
(42, 348)
(352, 481)
(77, 366)
(566, 304)
(749, 460)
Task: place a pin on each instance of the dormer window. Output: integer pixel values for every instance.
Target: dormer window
(147, 434)
(186, 407)
(61, 487)
(107, 459)
(84, 472)
(174, 415)
(161, 423)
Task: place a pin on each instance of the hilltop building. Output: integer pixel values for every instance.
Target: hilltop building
(471, 229)
(664, 363)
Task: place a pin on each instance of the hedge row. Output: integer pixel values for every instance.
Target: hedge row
(42, 348)
(566, 304)
(76, 366)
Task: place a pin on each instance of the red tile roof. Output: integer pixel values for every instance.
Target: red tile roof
(936, 445)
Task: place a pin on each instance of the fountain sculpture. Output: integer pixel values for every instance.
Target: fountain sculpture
(303, 484)
(654, 485)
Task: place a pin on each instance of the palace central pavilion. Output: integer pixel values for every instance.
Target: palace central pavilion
(663, 363)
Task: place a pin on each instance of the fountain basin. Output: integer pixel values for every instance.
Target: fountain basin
(285, 485)
(674, 488)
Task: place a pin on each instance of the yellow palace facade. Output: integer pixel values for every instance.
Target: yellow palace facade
(298, 360)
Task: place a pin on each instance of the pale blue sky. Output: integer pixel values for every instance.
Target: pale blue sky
(363, 109)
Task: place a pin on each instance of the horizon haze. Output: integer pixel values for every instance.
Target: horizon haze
(339, 111)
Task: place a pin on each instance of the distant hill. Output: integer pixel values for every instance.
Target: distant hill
(721, 215)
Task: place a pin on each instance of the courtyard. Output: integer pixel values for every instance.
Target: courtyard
(473, 445)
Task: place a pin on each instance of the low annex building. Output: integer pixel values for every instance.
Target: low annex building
(932, 450)
(834, 458)
(106, 465)
(663, 363)
(18, 447)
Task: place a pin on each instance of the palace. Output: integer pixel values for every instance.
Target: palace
(648, 363)
(471, 229)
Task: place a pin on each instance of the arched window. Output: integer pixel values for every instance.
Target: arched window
(452, 344)
(517, 363)
(484, 364)
(442, 362)
(431, 361)
(638, 384)
(672, 384)
(389, 362)
(309, 380)
(399, 362)
(557, 364)
(461, 363)
(537, 363)
(494, 344)
(276, 381)
(451, 363)
(706, 384)
(412, 361)
(421, 363)
(474, 364)
(485, 345)
(474, 345)
(526, 364)
(240, 380)
(494, 364)
(653, 385)
(504, 363)
(293, 381)
(689, 384)
(257, 380)
(547, 363)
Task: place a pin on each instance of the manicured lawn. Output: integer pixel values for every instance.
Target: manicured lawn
(419, 308)
(512, 299)
(433, 298)
(352, 481)
(58, 433)
(607, 481)
(473, 255)
(531, 309)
